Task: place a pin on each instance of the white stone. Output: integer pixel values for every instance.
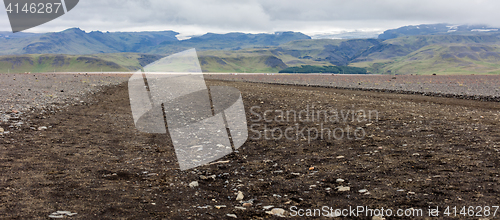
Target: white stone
(194, 184)
(267, 207)
(239, 196)
(343, 188)
(232, 215)
(277, 211)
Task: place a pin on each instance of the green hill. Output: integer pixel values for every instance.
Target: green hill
(256, 60)
(443, 59)
(75, 63)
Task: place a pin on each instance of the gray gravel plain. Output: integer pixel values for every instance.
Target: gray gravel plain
(477, 87)
(47, 93)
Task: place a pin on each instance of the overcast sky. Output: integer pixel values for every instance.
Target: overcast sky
(193, 17)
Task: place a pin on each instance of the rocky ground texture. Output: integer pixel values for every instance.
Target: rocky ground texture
(88, 161)
(475, 87)
(24, 95)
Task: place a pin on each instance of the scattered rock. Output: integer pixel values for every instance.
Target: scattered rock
(194, 184)
(202, 177)
(277, 211)
(343, 188)
(232, 215)
(1, 130)
(240, 208)
(249, 201)
(62, 214)
(220, 162)
(220, 206)
(378, 218)
(363, 191)
(296, 174)
(340, 157)
(240, 196)
(204, 207)
(340, 180)
(267, 207)
(42, 128)
(247, 204)
(311, 168)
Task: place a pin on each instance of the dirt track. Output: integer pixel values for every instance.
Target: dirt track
(421, 152)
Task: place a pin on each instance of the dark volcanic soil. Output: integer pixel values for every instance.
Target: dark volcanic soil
(421, 152)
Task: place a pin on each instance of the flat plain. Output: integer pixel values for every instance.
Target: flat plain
(420, 152)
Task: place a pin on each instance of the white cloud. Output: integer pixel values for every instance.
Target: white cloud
(309, 16)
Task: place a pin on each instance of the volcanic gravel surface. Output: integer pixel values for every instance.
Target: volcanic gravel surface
(385, 151)
(29, 93)
(478, 87)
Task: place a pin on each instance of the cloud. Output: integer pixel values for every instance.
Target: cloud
(200, 16)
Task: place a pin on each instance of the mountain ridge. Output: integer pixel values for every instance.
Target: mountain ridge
(239, 52)
(75, 41)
